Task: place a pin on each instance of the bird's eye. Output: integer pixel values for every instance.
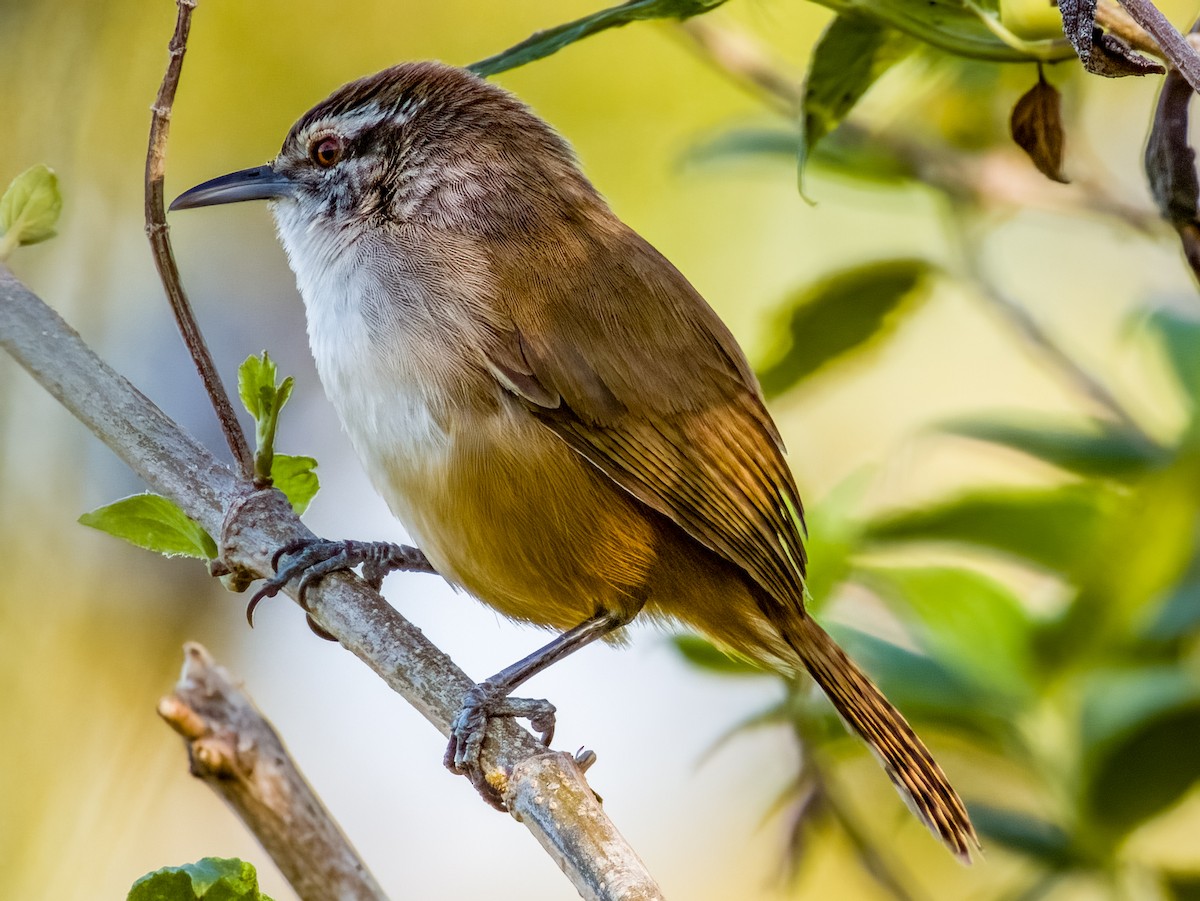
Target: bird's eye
(326, 151)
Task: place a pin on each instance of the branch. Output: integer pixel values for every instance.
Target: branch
(1175, 48)
(1113, 18)
(543, 789)
(164, 257)
(1085, 382)
(239, 755)
(746, 61)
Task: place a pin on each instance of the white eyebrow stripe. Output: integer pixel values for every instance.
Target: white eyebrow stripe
(351, 125)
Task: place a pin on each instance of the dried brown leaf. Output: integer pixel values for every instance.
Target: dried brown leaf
(1037, 128)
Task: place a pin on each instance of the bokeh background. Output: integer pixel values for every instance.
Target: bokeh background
(94, 789)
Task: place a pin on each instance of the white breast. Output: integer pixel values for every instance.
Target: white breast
(362, 333)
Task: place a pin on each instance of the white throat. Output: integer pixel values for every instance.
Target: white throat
(365, 317)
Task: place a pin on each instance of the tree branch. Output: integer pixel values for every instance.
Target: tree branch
(746, 61)
(1086, 383)
(1175, 49)
(1113, 18)
(544, 790)
(159, 234)
(233, 749)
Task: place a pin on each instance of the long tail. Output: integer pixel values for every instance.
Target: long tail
(867, 712)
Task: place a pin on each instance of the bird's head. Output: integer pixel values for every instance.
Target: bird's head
(420, 143)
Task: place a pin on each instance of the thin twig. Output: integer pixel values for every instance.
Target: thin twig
(236, 752)
(1031, 332)
(1176, 50)
(1085, 382)
(164, 257)
(737, 54)
(253, 524)
(890, 875)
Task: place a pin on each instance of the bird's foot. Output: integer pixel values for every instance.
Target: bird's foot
(314, 558)
(467, 732)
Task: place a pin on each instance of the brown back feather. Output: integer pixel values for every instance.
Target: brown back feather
(663, 402)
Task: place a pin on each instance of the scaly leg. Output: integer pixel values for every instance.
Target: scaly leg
(490, 699)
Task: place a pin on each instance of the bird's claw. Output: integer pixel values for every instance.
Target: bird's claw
(467, 732)
(311, 559)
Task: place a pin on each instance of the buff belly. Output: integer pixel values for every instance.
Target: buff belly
(507, 511)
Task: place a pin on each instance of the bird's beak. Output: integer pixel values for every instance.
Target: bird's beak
(262, 183)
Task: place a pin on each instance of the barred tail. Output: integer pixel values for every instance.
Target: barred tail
(867, 712)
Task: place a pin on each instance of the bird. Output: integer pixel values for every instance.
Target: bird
(561, 422)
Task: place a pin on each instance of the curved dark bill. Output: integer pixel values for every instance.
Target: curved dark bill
(262, 183)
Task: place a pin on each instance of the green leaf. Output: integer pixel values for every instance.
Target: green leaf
(263, 398)
(965, 619)
(294, 476)
(966, 29)
(1148, 773)
(843, 313)
(154, 523)
(851, 55)
(1024, 833)
(702, 654)
(1179, 615)
(737, 143)
(1179, 335)
(856, 154)
(1097, 448)
(1119, 702)
(210, 879)
(1139, 730)
(1183, 886)
(1051, 527)
(1032, 20)
(847, 152)
(257, 384)
(1144, 548)
(29, 209)
(834, 535)
(284, 393)
(550, 41)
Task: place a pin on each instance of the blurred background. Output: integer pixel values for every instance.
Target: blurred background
(986, 382)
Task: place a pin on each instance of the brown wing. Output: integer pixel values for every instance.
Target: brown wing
(624, 360)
